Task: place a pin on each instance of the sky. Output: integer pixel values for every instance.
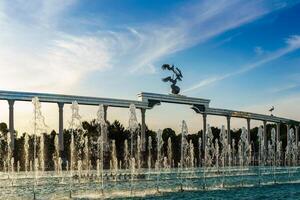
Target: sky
(243, 55)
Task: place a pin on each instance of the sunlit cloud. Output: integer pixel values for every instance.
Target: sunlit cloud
(35, 47)
(39, 53)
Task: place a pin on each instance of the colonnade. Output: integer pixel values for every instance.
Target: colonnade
(143, 125)
(288, 126)
(11, 128)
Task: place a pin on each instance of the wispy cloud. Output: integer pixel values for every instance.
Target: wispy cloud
(292, 44)
(36, 47)
(259, 50)
(291, 82)
(195, 24)
(284, 88)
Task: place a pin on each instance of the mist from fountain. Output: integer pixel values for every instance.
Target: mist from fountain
(209, 149)
(290, 147)
(244, 148)
(149, 158)
(224, 145)
(9, 152)
(42, 153)
(39, 127)
(272, 148)
(217, 153)
(200, 152)
(191, 154)
(101, 146)
(138, 153)
(126, 155)
(170, 152)
(133, 127)
(217, 156)
(56, 155)
(159, 141)
(183, 154)
(261, 151)
(114, 160)
(86, 154)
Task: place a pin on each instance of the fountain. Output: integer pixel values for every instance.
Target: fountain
(39, 127)
(209, 149)
(170, 152)
(96, 169)
(159, 141)
(149, 162)
(114, 160)
(101, 146)
(41, 153)
(133, 128)
(126, 155)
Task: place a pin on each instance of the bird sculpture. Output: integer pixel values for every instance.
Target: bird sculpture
(177, 76)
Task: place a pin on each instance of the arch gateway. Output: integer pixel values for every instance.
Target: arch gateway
(145, 101)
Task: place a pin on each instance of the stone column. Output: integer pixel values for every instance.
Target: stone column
(11, 126)
(249, 129)
(105, 137)
(61, 125)
(143, 129)
(278, 132)
(287, 132)
(105, 112)
(228, 129)
(204, 115)
(297, 135)
(265, 134)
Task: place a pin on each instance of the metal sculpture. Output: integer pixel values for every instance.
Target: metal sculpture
(177, 75)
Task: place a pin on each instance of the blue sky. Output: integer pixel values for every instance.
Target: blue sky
(240, 54)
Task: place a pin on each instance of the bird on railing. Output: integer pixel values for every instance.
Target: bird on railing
(271, 110)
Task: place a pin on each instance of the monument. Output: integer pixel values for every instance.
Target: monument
(177, 75)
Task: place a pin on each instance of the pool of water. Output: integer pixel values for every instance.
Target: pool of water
(277, 191)
(196, 183)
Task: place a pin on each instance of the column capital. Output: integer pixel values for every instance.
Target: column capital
(228, 117)
(11, 102)
(143, 110)
(60, 104)
(248, 119)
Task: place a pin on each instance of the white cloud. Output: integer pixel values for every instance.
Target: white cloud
(284, 88)
(258, 50)
(195, 24)
(37, 53)
(40, 55)
(293, 44)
